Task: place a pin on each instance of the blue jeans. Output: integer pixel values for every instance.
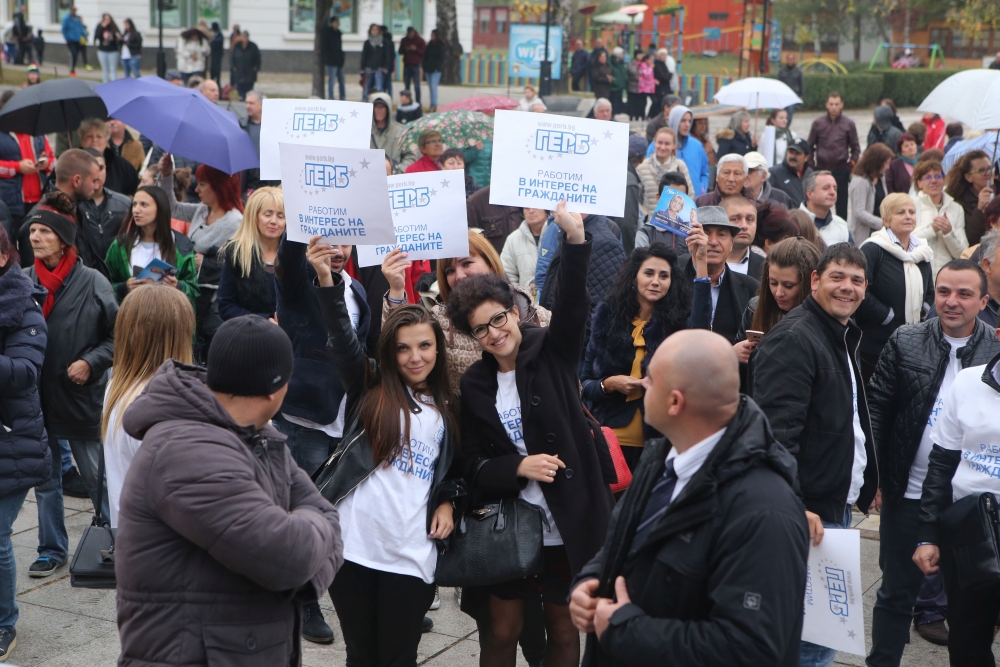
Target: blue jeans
(9, 507)
(433, 81)
(109, 64)
(412, 74)
(331, 73)
(310, 448)
(373, 82)
(53, 542)
(131, 66)
(814, 655)
(67, 456)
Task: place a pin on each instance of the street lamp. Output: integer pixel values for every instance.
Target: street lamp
(545, 71)
(161, 57)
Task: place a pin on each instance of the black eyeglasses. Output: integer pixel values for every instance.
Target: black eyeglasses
(496, 322)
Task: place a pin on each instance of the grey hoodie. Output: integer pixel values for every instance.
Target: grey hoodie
(388, 139)
(889, 134)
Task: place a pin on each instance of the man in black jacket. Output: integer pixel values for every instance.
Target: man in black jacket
(333, 57)
(791, 75)
(987, 259)
(788, 175)
(742, 212)
(731, 291)
(906, 396)
(807, 381)
(706, 553)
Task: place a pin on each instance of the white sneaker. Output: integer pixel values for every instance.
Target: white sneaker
(458, 595)
(437, 600)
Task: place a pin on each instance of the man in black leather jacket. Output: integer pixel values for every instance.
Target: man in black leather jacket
(905, 398)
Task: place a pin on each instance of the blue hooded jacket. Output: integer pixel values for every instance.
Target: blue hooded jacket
(692, 152)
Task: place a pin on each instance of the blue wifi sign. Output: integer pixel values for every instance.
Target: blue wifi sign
(527, 50)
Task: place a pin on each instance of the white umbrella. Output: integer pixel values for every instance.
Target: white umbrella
(971, 97)
(757, 93)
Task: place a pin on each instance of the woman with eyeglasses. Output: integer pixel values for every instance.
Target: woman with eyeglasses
(432, 146)
(524, 435)
(970, 182)
(940, 219)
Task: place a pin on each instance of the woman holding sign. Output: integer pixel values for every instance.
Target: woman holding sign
(394, 482)
(146, 238)
(463, 349)
(664, 159)
(524, 434)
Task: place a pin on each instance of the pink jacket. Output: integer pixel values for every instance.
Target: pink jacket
(647, 83)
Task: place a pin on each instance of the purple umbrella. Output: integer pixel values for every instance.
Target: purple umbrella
(181, 121)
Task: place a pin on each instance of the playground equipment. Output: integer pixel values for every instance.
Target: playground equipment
(831, 65)
(883, 50)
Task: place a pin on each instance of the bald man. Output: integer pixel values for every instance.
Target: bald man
(714, 535)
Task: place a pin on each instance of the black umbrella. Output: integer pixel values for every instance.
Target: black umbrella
(53, 106)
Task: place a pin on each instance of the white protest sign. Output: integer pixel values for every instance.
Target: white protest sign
(539, 159)
(329, 123)
(834, 616)
(339, 193)
(429, 214)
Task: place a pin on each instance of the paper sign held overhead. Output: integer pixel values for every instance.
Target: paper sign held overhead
(319, 123)
(834, 615)
(539, 159)
(337, 193)
(429, 216)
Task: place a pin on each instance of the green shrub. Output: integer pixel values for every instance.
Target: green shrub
(858, 90)
(908, 88)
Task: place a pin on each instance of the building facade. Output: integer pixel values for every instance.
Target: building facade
(283, 29)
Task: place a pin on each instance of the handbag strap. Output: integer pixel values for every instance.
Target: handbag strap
(99, 519)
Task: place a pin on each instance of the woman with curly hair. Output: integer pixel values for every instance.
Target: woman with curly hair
(649, 301)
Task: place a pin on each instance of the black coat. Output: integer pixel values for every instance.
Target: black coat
(250, 295)
(721, 577)
(886, 289)
(735, 293)
(731, 141)
(904, 387)
(434, 55)
(662, 76)
(355, 458)
(802, 382)
(244, 63)
(375, 58)
(552, 419)
(314, 390)
(122, 176)
(787, 180)
(25, 458)
(81, 326)
(108, 217)
(897, 178)
(332, 47)
(599, 81)
(607, 257)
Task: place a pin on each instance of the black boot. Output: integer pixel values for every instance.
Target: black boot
(314, 626)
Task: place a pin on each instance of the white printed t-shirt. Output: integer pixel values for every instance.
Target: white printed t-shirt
(509, 408)
(968, 424)
(383, 521)
(918, 470)
(860, 454)
(336, 429)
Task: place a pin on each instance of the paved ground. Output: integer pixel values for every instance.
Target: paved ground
(62, 626)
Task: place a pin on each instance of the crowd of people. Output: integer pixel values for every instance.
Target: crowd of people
(277, 422)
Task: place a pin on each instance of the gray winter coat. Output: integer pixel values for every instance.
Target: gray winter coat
(221, 536)
(81, 326)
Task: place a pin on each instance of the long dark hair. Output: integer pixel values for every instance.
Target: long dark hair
(162, 233)
(7, 248)
(870, 164)
(795, 253)
(622, 299)
(386, 396)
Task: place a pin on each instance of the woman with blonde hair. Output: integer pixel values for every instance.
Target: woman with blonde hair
(463, 349)
(155, 323)
(664, 159)
(246, 286)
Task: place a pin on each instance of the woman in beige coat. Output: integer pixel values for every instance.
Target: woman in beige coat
(940, 219)
(663, 159)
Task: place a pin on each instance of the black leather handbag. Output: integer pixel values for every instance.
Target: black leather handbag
(93, 564)
(492, 544)
(970, 530)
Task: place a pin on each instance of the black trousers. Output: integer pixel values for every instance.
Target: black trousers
(843, 178)
(901, 580)
(380, 615)
(972, 618)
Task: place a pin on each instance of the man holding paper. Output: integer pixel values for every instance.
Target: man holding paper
(715, 537)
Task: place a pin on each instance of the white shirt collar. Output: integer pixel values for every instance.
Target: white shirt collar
(690, 461)
(742, 266)
(892, 237)
(347, 279)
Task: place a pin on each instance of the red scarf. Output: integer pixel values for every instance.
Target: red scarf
(53, 279)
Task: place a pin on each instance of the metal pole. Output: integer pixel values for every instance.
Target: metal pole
(161, 57)
(680, 43)
(545, 71)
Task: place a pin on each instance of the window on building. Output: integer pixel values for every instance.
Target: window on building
(501, 21)
(172, 12)
(718, 16)
(302, 15)
(183, 13)
(59, 9)
(483, 19)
